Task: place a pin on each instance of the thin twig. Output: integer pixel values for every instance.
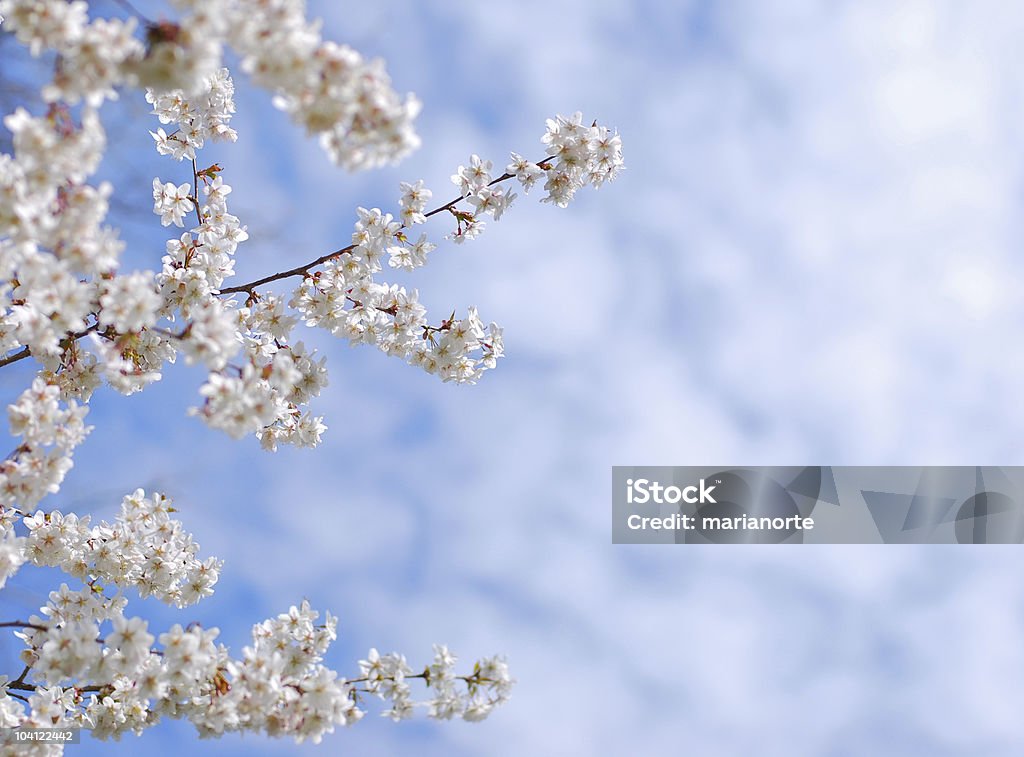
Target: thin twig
(24, 673)
(24, 352)
(19, 355)
(23, 624)
(195, 190)
(302, 270)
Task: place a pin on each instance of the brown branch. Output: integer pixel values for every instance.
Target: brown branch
(22, 686)
(21, 678)
(457, 200)
(302, 270)
(299, 271)
(24, 352)
(365, 679)
(195, 190)
(19, 355)
(23, 624)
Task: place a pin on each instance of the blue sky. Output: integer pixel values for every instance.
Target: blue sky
(811, 259)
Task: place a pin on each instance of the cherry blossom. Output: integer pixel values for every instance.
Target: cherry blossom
(66, 304)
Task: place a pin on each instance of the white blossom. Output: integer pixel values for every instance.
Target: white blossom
(129, 303)
(414, 201)
(171, 202)
(582, 154)
(66, 303)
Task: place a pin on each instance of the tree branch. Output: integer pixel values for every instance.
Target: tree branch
(15, 357)
(195, 190)
(24, 351)
(23, 624)
(302, 270)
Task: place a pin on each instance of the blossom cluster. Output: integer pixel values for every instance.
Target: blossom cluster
(387, 677)
(127, 679)
(477, 186)
(344, 299)
(49, 431)
(66, 302)
(328, 88)
(266, 397)
(582, 155)
(132, 316)
(51, 233)
(100, 53)
(203, 116)
(143, 549)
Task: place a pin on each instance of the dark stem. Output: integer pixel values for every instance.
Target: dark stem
(24, 351)
(23, 624)
(19, 355)
(302, 270)
(24, 673)
(195, 190)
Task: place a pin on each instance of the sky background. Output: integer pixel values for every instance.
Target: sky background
(813, 258)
